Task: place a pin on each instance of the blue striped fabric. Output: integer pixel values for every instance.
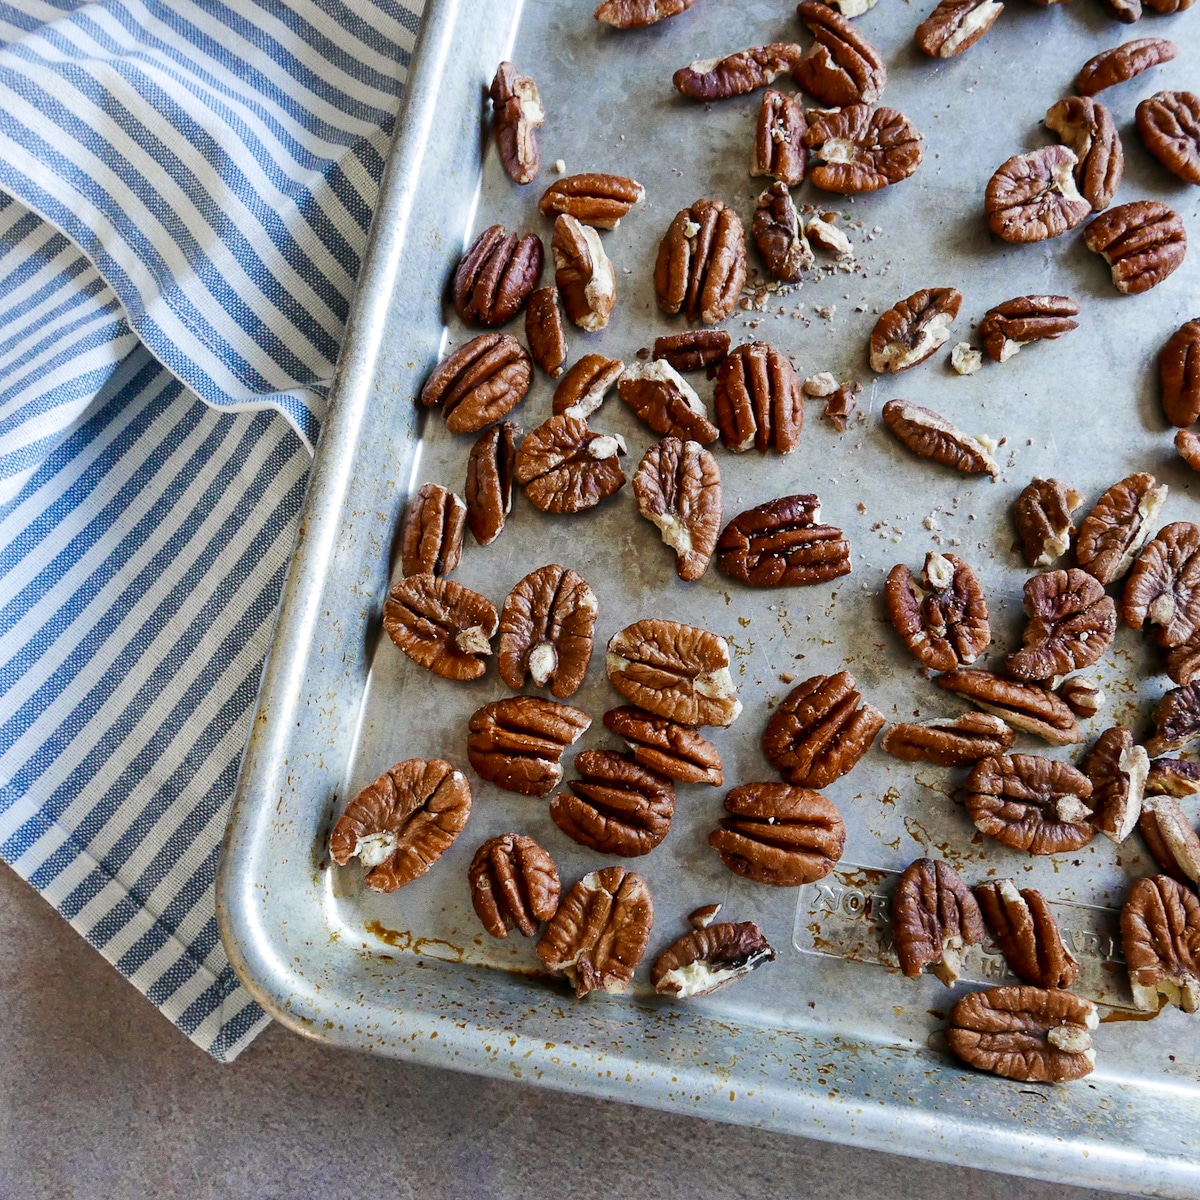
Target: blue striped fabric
(187, 188)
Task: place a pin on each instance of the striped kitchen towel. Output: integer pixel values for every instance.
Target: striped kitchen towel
(185, 191)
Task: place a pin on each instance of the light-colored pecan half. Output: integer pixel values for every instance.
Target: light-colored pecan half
(566, 467)
(929, 435)
(736, 74)
(779, 235)
(934, 916)
(516, 113)
(1031, 803)
(957, 743)
(1163, 586)
(489, 481)
(1173, 777)
(709, 959)
(635, 14)
(1123, 63)
(1042, 515)
(694, 350)
(1015, 323)
(1088, 128)
(1169, 125)
(1025, 930)
(496, 275)
(1171, 838)
(1179, 375)
(955, 26)
(861, 148)
(778, 149)
(666, 747)
(593, 198)
(441, 625)
(401, 824)
(544, 331)
(1083, 695)
(910, 331)
(1118, 526)
(678, 489)
(842, 67)
(1187, 446)
(782, 544)
(518, 743)
(666, 402)
(758, 400)
(514, 885)
(479, 383)
(1071, 624)
(943, 619)
(582, 389)
(433, 532)
(1024, 706)
(1160, 934)
(701, 265)
(1143, 241)
(583, 273)
(1118, 771)
(1033, 196)
(1176, 720)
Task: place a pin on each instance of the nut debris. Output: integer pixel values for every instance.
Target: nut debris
(703, 916)
(583, 273)
(665, 747)
(1118, 770)
(1119, 525)
(441, 625)
(1171, 838)
(514, 885)
(496, 275)
(862, 149)
(701, 265)
(1087, 127)
(1033, 196)
(929, 435)
(842, 67)
(1024, 706)
(678, 489)
(910, 331)
(1169, 125)
(1015, 323)
(782, 544)
(1123, 63)
(433, 532)
(1042, 515)
(736, 74)
(709, 959)
(593, 198)
(1071, 624)
(965, 359)
(1031, 803)
(955, 26)
(518, 743)
(582, 389)
(957, 743)
(943, 619)
(1143, 242)
(1160, 934)
(934, 917)
(1025, 930)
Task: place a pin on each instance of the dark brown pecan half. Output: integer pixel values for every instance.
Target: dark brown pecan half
(1171, 838)
(479, 383)
(736, 74)
(544, 331)
(675, 671)
(1083, 695)
(1033, 196)
(1071, 624)
(593, 198)
(779, 235)
(862, 149)
(957, 743)
(758, 400)
(617, 806)
(518, 743)
(1118, 771)
(1169, 125)
(1033, 1035)
(1176, 720)
(1025, 930)
(666, 402)
(821, 730)
(678, 489)
(441, 625)
(842, 67)
(1016, 323)
(1024, 706)
(489, 481)
(517, 112)
(583, 273)
(1187, 446)
(1173, 777)
(1179, 375)
(634, 14)
(777, 834)
(401, 824)
(695, 350)
(929, 435)
(582, 389)
(709, 959)
(496, 275)
(1117, 527)
(1123, 63)
(779, 140)
(956, 25)
(910, 331)
(782, 544)
(514, 885)
(1183, 661)
(1042, 515)
(1031, 803)
(1088, 128)
(665, 747)
(1143, 241)
(1163, 586)
(1160, 934)
(600, 931)
(566, 467)
(433, 532)
(944, 618)
(701, 263)
(934, 916)
(546, 630)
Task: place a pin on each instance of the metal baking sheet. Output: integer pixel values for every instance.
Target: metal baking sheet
(829, 1040)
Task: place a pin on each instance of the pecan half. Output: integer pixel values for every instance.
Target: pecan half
(1088, 128)
(1187, 446)
(862, 149)
(675, 671)
(516, 113)
(514, 885)
(593, 198)
(582, 389)
(666, 402)
(1117, 527)
(1031, 803)
(678, 489)
(786, 836)
(1008, 327)
(489, 481)
(566, 467)
(1042, 515)
(929, 435)
(518, 743)
(600, 931)
(544, 331)
(1143, 241)
(779, 235)
(701, 265)
(1033, 196)
(1024, 928)
(709, 959)
(1173, 777)
(663, 746)
(1163, 586)
(617, 806)
(1169, 125)
(955, 26)
(479, 383)
(496, 275)
(546, 629)
(1033, 1035)
(943, 619)
(1024, 706)
(782, 544)
(634, 14)
(433, 532)
(1118, 771)
(1160, 934)
(842, 67)
(736, 74)
(821, 730)
(934, 916)
(758, 400)
(1125, 11)
(695, 350)
(1183, 661)
(910, 331)
(401, 824)
(957, 743)
(779, 139)
(1168, 7)
(1179, 375)
(1176, 720)
(1171, 838)
(1083, 695)
(1123, 63)
(583, 273)
(1071, 624)
(441, 625)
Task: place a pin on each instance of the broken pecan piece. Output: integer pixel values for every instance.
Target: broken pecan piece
(1176, 720)
(1118, 771)
(1163, 586)
(489, 481)
(701, 265)
(433, 532)
(666, 402)
(957, 743)
(842, 67)
(1033, 196)
(1042, 515)
(709, 959)
(736, 74)
(566, 467)
(1160, 934)
(514, 885)
(910, 331)
(943, 620)
(1088, 128)
(1008, 327)
(1171, 839)
(496, 275)
(517, 112)
(955, 26)
(401, 824)
(1024, 706)
(617, 806)
(782, 544)
(1183, 661)
(582, 389)
(840, 405)
(1179, 375)
(1028, 802)
(593, 198)
(934, 915)
(1173, 777)
(583, 273)
(544, 331)
(518, 743)
(665, 747)
(1187, 446)
(1123, 63)
(821, 730)
(929, 435)
(678, 489)
(1169, 125)
(779, 139)
(695, 350)
(758, 399)
(1083, 695)
(779, 235)
(1071, 624)
(1118, 526)
(479, 383)
(1025, 930)
(634, 14)
(862, 149)
(777, 834)
(1143, 241)
(441, 625)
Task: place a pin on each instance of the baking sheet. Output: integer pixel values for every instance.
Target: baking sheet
(827, 1040)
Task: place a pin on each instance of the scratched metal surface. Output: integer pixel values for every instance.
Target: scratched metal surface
(829, 1041)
